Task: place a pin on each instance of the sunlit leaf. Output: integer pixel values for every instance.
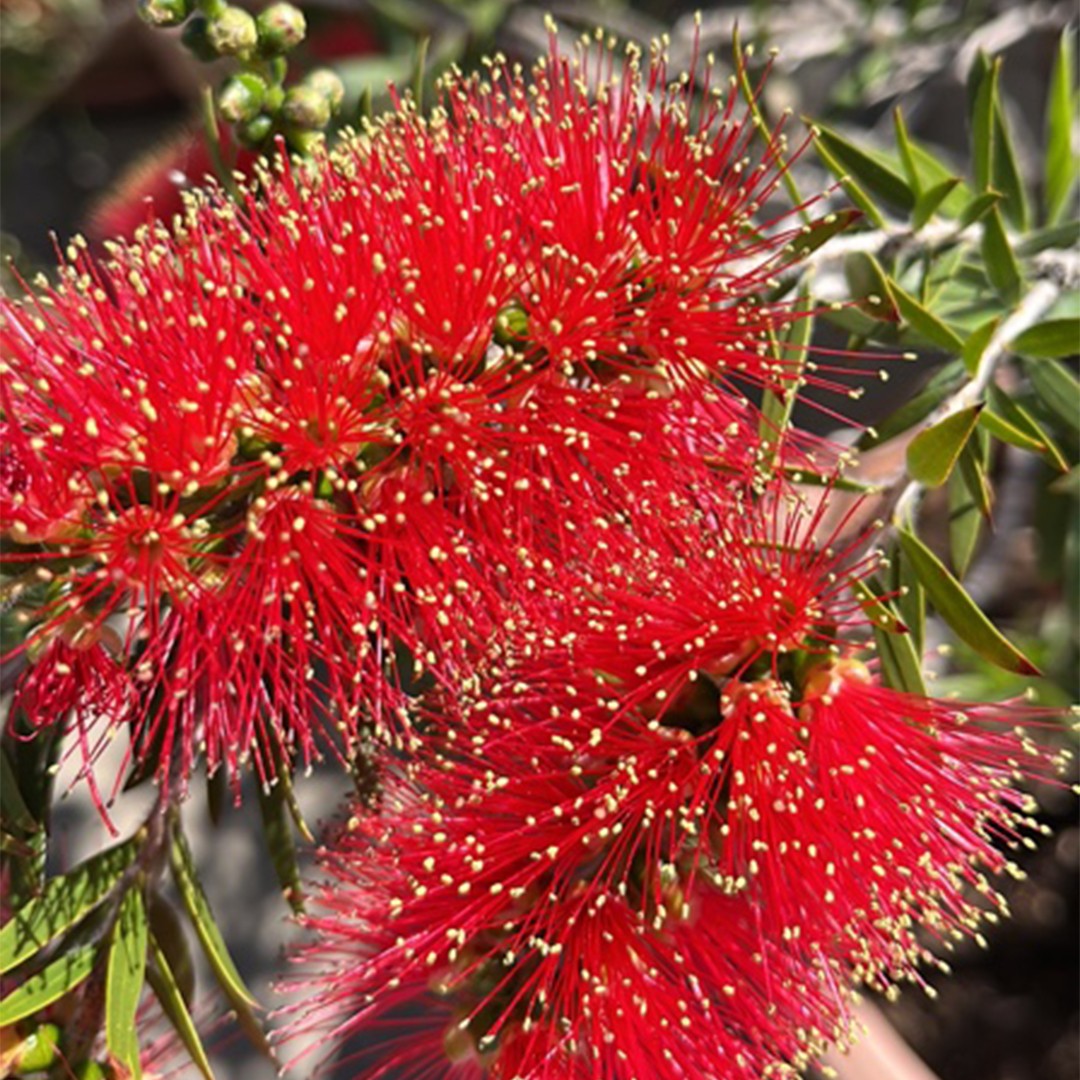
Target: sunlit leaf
(944, 383)
(1016, 416)
(982, 101)
(965, 524)
(961, 612)
(63, 902)
(124, 981)
(213, 945)
(815, 233)
(1061, 166)
(900, 663)
(48, 985)
(871, 173)
(921, 319)
(930, 201)
(906, 153)
(1049, 340)
(932, 454)
(975, 346)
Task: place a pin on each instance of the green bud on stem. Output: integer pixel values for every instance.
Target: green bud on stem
(241, 97)
(305, 108)
(281, 27)
(233, 32)
(164, 12)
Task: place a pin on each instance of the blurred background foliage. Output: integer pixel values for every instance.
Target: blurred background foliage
(952, 127)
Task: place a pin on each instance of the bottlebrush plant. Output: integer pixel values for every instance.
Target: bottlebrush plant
(463, 456)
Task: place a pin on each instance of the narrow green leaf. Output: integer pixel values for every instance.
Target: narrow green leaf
(924, 321)
(961, 612)
(965, 524)
(929, 202)
(1005, 432)
(1050, 340)
(1001, 266)
(48, 985)
(1061, 168)
(877, 610)
(910, 604)
(1006, 173)
(870, 172)
(1063, 237)
(815, 233)
(944, 383)
(278, 834)
(167, 930)
(174, 1005)
(978, 208)
(124, 981)
(975, 346)
(982, 95)
(1014, 414)
(63, 903)
(973, 471)
(933, 173)
(214, 948)
(932, 454)
(203, 922)
(1057, 388)
(870, 286)
(851, 187)
(907, 155)
(900, 662)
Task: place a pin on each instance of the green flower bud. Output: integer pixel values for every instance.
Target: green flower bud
(38, 1049)
(196, 40)
(329, 85)
(256, 131)
(281, 27)
(305, 108)
(241, 97)
(164, 12)
(233, 32)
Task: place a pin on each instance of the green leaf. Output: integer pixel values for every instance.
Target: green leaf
(870, 286)
(930, 201)
(124, 981)
(48, 985)
(16, 813)
(973, 473)
(815, 233)
(1006, 173)
(961, 612)
(965, 524)
(63, 903)
(168, 932)
(976, 344)
(979, 206)
(924, 321)
(935, 173)
(1001, 266)
(1057, 388)
(213, 945)
(1050, 340)
(900, 662)
(278, 834)
(1061, 170)
(1062, 237)
(852, 188)
(932, 454)
(982, 97)
(174, 1005)
(944, 383)
(1005, 432)
(869, 171)
(906, 152)
(1016, 416)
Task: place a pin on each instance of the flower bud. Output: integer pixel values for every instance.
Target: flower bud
(325, 82)
(281, 27)
(256, 131)
(304, 107)
(196, 40)
(233, 32)
(241, 97)
(164, 12)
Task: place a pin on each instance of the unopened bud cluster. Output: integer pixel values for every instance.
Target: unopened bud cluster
(255, 99)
